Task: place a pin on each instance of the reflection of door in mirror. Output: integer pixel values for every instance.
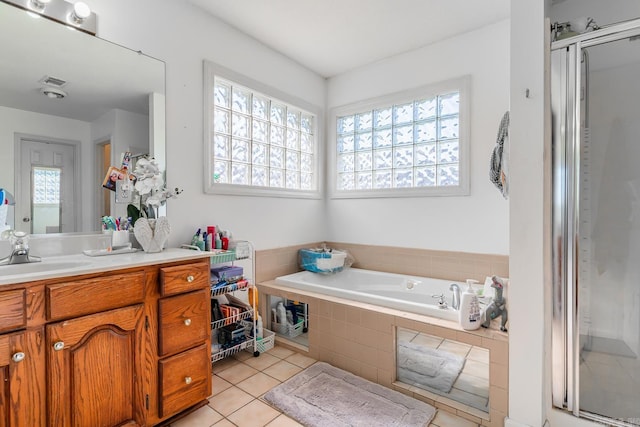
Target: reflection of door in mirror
(103, 161)
(47, 187)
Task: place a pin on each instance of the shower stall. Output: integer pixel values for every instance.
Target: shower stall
(595, 96)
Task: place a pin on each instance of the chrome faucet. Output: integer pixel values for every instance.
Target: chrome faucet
(19, 249)
(455, 303)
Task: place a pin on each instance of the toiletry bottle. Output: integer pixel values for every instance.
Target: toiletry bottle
(218, 242)
(200, 243)
(469, 314)
(211, 241)
(281, 314)
(259, 327)
(225, 240)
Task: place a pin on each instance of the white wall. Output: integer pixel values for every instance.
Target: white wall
(528, 330)
(182, 36)
(475, 223)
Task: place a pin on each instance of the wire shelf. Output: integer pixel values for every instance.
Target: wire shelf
(221, 290)
(231, 319)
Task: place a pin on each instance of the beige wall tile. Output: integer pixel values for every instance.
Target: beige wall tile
(499, 351)
(468, 338)
(469, 417)
(386, 377)
(369, 372)
(499, 375)
(498, 399)
(497, 419)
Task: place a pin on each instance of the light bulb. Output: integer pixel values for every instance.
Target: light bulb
(80, 12)
(38, 5)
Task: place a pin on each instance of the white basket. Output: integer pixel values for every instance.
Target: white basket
(265, 343)
(288, 329)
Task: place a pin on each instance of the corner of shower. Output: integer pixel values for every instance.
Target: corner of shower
(596, 224)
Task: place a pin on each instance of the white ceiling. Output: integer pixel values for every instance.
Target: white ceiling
(334, 36)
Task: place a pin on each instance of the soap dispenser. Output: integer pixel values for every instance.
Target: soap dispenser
(469, 314)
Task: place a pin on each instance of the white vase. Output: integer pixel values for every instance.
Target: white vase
(152, 234)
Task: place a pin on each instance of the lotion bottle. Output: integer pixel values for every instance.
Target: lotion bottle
(469, 315)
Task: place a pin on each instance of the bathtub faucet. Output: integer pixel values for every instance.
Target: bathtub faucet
(455, 303)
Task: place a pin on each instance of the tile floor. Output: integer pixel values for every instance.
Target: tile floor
(240, 381)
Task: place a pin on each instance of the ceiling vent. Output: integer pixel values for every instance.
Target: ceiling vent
(52, 81)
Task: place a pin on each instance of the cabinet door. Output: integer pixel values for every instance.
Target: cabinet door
(95, 369)
(22, 378)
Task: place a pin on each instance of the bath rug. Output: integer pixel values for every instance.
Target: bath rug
(325, 396)
(434, 368)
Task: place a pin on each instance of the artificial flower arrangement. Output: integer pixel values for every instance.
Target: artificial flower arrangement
(150, 188)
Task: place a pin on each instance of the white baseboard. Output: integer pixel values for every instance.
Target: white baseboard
(511, 423)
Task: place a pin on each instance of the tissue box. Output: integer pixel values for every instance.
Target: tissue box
(319, 261)
(229, 273)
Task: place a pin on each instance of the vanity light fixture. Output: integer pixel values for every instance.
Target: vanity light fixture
(76, 15)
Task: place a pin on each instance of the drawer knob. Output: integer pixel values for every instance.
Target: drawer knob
(190, 278)
(187, 322)
(58, 345)
(187, 380)
(18, 357)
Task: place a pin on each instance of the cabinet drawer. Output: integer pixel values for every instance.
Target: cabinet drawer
(184, 278)
(185, 320)
(13, 309)
(184, 379)
(94, 295)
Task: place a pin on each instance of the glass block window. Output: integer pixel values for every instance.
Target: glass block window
(402, 145)
(46, 184)
(259, 142)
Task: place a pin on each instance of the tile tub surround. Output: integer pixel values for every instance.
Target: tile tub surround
(457, 266)
(360, 338)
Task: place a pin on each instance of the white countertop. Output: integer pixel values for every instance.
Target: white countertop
(72, 265)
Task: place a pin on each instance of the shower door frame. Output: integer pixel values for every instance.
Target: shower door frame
(566, 122)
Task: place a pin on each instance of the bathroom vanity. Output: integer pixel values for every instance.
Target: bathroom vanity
(119, 340)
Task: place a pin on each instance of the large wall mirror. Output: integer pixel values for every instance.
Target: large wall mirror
(56, 147)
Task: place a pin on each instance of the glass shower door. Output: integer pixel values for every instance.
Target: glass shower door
(596, 209)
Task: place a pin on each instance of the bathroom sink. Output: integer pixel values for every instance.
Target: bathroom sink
(41, 267)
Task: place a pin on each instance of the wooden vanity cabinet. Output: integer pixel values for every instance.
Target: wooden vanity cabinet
(22, 377)
(84, 351)
(95, 371)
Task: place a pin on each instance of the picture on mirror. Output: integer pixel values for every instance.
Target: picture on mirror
(113, 175)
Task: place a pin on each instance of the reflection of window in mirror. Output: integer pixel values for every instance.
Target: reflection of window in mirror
(444, 367)
(45, 203)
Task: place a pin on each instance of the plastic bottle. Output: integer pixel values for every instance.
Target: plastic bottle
(259, 327)
(469, 314)
(200, 243)
(281, 314)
